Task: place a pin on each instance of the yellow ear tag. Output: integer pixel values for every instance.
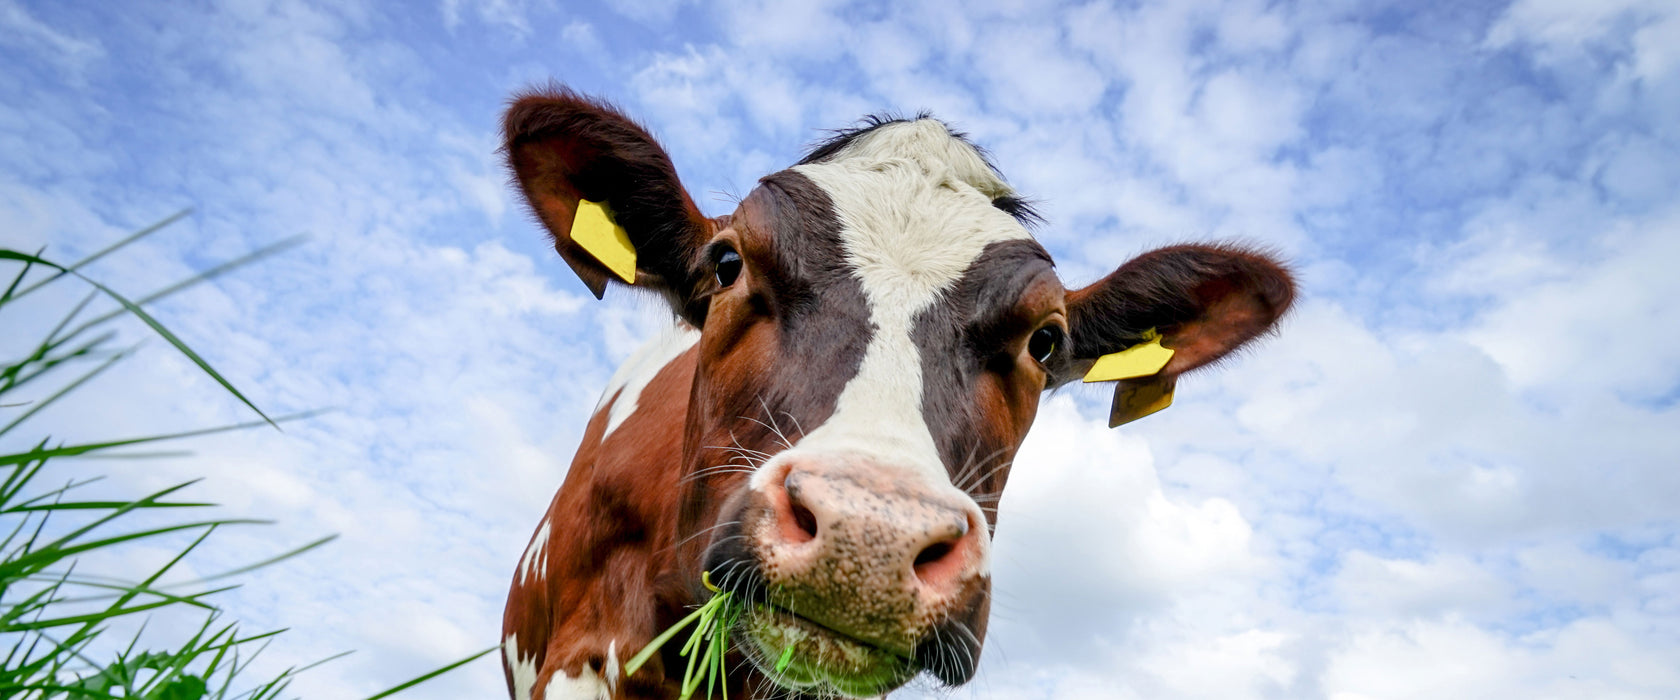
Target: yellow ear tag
(1141, 360)
(1136, 398)
(593, 230)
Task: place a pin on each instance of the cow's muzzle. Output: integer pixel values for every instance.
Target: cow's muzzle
(868, 574)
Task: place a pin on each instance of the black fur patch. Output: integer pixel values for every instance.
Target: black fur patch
(964, 332)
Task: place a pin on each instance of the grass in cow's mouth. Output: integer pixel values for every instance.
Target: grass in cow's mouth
(716, 618)
(816, 659)
(709, 642)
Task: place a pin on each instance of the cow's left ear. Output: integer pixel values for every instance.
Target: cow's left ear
(608, 194)
(1200, 301)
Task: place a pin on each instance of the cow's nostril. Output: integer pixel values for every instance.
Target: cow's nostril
(803, 517)
(804, 521)
(932, 554)
(940, 563)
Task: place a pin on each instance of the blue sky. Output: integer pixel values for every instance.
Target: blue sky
(1451, 475)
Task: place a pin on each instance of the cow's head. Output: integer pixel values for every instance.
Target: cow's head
(877, 326)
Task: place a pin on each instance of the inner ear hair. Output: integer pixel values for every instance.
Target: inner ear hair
(1205, 300)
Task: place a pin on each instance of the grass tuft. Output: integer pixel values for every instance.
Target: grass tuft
(716, 618)
(51, 615)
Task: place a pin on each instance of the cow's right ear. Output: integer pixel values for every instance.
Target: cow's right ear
(1167, 312)
(567, 151)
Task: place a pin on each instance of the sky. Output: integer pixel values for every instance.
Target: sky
(1452, 473)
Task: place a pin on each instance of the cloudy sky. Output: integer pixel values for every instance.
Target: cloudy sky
(1455, 473)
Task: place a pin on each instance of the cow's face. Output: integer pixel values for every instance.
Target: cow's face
(877, 327)
(873, 352)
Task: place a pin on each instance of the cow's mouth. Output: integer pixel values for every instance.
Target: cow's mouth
(821, 658)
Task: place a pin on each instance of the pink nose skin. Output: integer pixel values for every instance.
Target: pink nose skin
(869, 551)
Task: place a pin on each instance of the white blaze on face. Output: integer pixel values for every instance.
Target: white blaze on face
(915, 209)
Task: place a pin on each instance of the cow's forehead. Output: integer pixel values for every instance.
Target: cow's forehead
(926, 142)
(915, 203)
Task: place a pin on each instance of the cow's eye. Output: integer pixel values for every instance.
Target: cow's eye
(727, 264)
(1044, 342)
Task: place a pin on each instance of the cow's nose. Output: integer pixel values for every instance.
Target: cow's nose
(876, 528)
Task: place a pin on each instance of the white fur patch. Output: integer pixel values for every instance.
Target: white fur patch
(636, 372)
(612, 666)
(915, 208)
(587, 686)
(524, 670)
(535, 559)
(927, 143)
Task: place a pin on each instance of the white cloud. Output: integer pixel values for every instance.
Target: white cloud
(582, 36)
(651, 12)
(1129, 544)
(1566, 30)
(1556, 334)
(788, 30)
(24, 31)
(1404, 588)
(509, 15)
(1432, 659)
(1031, 74)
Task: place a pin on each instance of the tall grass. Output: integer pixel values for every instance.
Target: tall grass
(54, 619)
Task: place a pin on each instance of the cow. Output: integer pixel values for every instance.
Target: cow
(856, 353)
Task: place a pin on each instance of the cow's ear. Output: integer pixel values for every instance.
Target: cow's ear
(1199, 301)
(585, 169)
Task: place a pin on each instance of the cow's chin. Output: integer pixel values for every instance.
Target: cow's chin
(823, 660)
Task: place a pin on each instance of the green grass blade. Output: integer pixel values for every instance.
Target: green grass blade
(191, 600)
(156, 327)
(107, 250)
(153, 454)
(55, 615)
(4, 566)
(647, 652)
(98, 505)
(63, 322)
(271, 560)
(201, 277)
(786, 658)
(72, 386)
(430, 675)
(714, 654)
(332, 658)
(707, 612)
(723, 673)
(74, 312)
(688, 684)
(20, 477)
(43, 361)
(41, 558)
(10, 288)
(47, 690)
(37, 602)
(41, 453)
(59, 492)
(100, 616)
